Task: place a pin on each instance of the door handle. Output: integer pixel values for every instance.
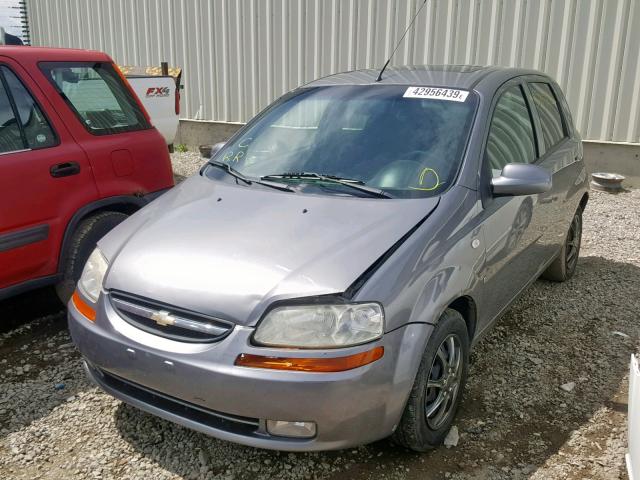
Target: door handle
(64, 169)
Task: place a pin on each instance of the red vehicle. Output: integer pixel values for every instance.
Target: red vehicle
(78, 154)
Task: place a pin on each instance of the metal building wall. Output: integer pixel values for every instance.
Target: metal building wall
(238, 55)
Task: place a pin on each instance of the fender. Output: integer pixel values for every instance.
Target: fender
(449, 289)
(438, 264)
(362, 279)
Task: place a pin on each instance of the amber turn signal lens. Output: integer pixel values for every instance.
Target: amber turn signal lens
(83, 307)
(305, 364)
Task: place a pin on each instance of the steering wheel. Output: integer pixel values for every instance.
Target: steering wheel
(399, 173)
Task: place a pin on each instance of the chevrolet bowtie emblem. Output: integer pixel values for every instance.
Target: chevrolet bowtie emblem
(163, 317)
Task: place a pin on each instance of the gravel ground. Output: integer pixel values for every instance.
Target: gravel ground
(185, 164)
(516, 420)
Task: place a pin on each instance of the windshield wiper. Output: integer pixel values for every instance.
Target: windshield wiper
(230, 170)
(347, 182)
(234, 173)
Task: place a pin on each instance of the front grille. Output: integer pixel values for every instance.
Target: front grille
(168, 321)
(220, 421)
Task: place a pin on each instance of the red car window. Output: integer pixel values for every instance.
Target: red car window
(37, 130)
(97, 95)
(10, 135)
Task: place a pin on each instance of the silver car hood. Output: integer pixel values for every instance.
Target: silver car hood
(230, 250)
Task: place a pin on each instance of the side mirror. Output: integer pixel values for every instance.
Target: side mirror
(208, 151)
(216, 148)
(521, 179)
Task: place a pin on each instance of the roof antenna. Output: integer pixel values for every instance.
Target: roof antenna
(401, 39)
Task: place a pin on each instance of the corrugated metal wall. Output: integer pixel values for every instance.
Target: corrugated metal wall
(238, 55)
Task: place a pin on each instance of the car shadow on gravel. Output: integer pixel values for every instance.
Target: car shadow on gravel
(514, 415)
(39, 366)
(29, 306)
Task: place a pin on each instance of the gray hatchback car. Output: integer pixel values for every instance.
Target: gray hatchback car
(320, 282)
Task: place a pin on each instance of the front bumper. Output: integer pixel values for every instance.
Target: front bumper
(198, 386)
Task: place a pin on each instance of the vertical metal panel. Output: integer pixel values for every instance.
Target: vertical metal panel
(239, 55)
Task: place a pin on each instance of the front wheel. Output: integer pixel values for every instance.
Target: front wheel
(437, 389)
(564, 266)
(82, 243)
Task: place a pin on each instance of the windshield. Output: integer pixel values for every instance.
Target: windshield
(390, 138)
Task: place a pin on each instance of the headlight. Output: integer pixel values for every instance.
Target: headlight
(91, 279)
(321, 326)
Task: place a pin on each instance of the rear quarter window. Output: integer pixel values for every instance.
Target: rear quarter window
(97, 95)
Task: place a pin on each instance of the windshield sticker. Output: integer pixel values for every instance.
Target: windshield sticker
(231, 157)
(433, 178)
(437, 93)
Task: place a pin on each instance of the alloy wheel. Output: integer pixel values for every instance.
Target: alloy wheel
(574, 238)
(443, 384)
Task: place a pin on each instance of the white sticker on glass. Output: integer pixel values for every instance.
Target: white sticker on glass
(436, 93)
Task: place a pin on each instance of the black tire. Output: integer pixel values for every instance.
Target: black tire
(564, 266)
(416, 430)
(81, 245)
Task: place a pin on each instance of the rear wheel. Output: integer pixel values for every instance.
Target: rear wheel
(437, 389)
(564, 266)
(81, 245)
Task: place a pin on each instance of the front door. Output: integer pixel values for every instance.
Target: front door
(512, 226)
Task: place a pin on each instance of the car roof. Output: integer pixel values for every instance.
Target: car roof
(38, 54)
(454, 76)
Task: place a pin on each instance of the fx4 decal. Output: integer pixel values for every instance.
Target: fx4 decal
(158, 92)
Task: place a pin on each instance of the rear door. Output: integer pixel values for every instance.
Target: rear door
(559, 154)
(512, 226)
(44, 178)
(128, 155)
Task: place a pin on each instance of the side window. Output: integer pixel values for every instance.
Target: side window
(10, 138)
(36, 128)
(511, 137)
(549, 113)
(97, 95)
(566, 113)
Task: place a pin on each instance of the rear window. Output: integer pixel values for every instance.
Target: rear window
(97, 95)
(549, 113)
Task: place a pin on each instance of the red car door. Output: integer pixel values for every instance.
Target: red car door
(128, 156)
(44, 178)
